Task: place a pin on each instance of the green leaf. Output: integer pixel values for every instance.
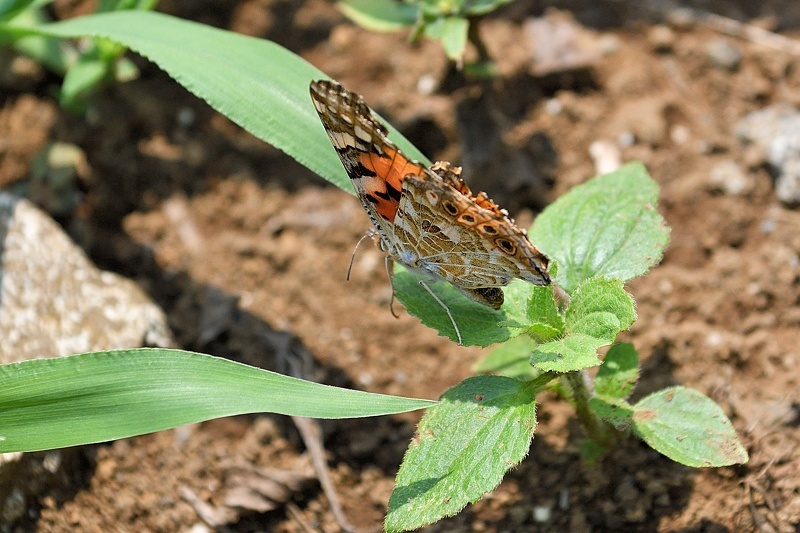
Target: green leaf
(688, 427)
(510, 359)
(95, 397)
(599, 310)
(256, 83)
(599, 296)
(83, 75)
(608, 227)
(613, 410)
(573, 352)
(545, 322)
(618, 373)
(481, 7)
(452, 32)
(380, 15)
(479, 325)
(482, 428)
(11, 8)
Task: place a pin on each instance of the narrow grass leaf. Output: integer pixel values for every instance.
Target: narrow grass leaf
(258, 84)
(95, 397)
(688, 427)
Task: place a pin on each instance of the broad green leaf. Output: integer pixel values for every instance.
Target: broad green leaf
(479, 325)
(510, 359)
(256, 83)
(615, 411)
(688, 427)
(598, 311)
(452, 32)
(380, 15)
(619, 372)
(482, 428)
(545, 322)
(598, 296)
(608, 227)
(81, 399)
(573, 352)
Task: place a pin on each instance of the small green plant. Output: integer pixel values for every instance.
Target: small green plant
(85, 64)
(451, 22)
(599, 235)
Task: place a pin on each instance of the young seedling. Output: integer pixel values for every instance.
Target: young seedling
(600, 235)
(454, 23)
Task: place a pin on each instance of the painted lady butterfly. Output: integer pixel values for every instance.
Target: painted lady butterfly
(427, 219)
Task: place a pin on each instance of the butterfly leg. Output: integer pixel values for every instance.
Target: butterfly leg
(440, 302)
(389, 271)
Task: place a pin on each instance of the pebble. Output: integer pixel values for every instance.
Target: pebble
(727, 176)
(723, 54)
(775, 130)
(661, 38)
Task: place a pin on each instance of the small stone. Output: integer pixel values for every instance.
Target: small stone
(661, 38)
(542, 514)
(728, 177)
(722, 54)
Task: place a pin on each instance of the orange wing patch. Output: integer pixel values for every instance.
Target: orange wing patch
(389, 169)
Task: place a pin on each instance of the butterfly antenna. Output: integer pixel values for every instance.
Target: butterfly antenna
(369, 233)
(449, 314)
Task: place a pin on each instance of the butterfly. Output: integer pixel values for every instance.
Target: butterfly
(427, 218)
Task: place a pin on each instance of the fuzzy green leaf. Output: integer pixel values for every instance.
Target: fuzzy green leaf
(619, 372)
(688, 427)
(80, 399)
(608, 227)
(479, 325)
(545, 322)
(615, 411)
(599, 310)
(481, 428)
(510, 359)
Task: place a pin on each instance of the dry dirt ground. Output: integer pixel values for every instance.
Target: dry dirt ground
(247, 252)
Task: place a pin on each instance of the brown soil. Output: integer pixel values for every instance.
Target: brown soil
(247, 252)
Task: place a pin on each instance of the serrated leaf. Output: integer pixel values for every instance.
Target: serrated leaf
(608, 227)
(688, 427)
(599, 310)
(598, 295)
(545, 322)
(380, 15)
(479, 325)
(619, 372)
(481, 428)
(574, 352)
(615, 411)
(95, 397)
(510, 359)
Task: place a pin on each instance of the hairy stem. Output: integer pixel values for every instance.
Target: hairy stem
(598, 430)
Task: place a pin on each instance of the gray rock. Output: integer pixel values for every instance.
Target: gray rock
(53, 302)
(775, 130)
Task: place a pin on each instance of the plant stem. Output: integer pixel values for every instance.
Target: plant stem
(598, 430)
